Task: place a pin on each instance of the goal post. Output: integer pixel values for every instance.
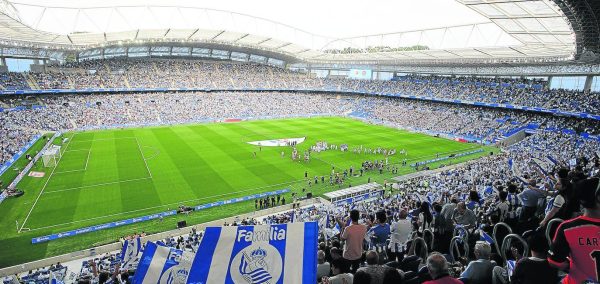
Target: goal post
(51, 156)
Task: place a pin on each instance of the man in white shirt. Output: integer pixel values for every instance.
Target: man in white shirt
(401, 230)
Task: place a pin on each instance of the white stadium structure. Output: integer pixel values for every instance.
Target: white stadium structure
(519, 76)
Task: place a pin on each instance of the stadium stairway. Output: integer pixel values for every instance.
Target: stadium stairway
(73, 123)
(71, 84)
(31, 82)
(126, 81)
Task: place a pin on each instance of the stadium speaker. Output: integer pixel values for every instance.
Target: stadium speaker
(181, 224)
(309, 195)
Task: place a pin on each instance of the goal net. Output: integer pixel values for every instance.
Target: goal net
(51, 156)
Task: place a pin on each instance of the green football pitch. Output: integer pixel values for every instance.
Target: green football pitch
(111, 175)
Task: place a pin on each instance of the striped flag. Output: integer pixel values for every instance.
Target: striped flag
(130, 253)
(160, 264)
(510, 266)
(483, 236)
(544, 167)
(283, 253)
(551, 160)
(54, 278)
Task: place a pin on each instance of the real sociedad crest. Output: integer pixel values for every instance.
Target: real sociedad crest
(256, 264)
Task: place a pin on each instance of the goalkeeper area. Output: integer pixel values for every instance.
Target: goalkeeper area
(109, 175)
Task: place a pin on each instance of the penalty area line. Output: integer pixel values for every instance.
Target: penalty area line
(96, 185)
(43, 188)
(79, 170)
(143, 158)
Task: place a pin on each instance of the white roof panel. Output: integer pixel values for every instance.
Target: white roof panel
(179, 33)
(229, 36)
(202, 34)
(121, 36)
(531, 24)
(252, 39)
(151, 34)
(511, 9)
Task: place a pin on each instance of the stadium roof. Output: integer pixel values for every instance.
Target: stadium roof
(309, 31)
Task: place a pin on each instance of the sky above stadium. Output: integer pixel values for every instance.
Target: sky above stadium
(331, 18)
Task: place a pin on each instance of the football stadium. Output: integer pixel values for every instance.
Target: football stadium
(416, 141)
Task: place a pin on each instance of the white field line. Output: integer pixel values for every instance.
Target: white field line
(69, 171)
(44, 187)
(87, 160)
(168, 204)
(79, 170)
(96, 185)
(77, 150)
(104, 139)
(143, 158)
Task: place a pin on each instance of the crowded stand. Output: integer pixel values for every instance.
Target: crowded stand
(167, 73)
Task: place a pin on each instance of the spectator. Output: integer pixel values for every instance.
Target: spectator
(438, 270)
(464, 216)
(373, 269)
(530, 198)
(535, 269)
(354, 235)
(323, 267)
(479, 271)
(425, 220)
(341, 273)
(361, 277)
(563, 205)
(401, 231)
(577, 238)
(381, 231)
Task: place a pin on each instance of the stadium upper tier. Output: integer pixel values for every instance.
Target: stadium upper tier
(178, 74)
(505, 31)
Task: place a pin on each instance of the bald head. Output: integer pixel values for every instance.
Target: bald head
(437, 265)
(321, 257)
